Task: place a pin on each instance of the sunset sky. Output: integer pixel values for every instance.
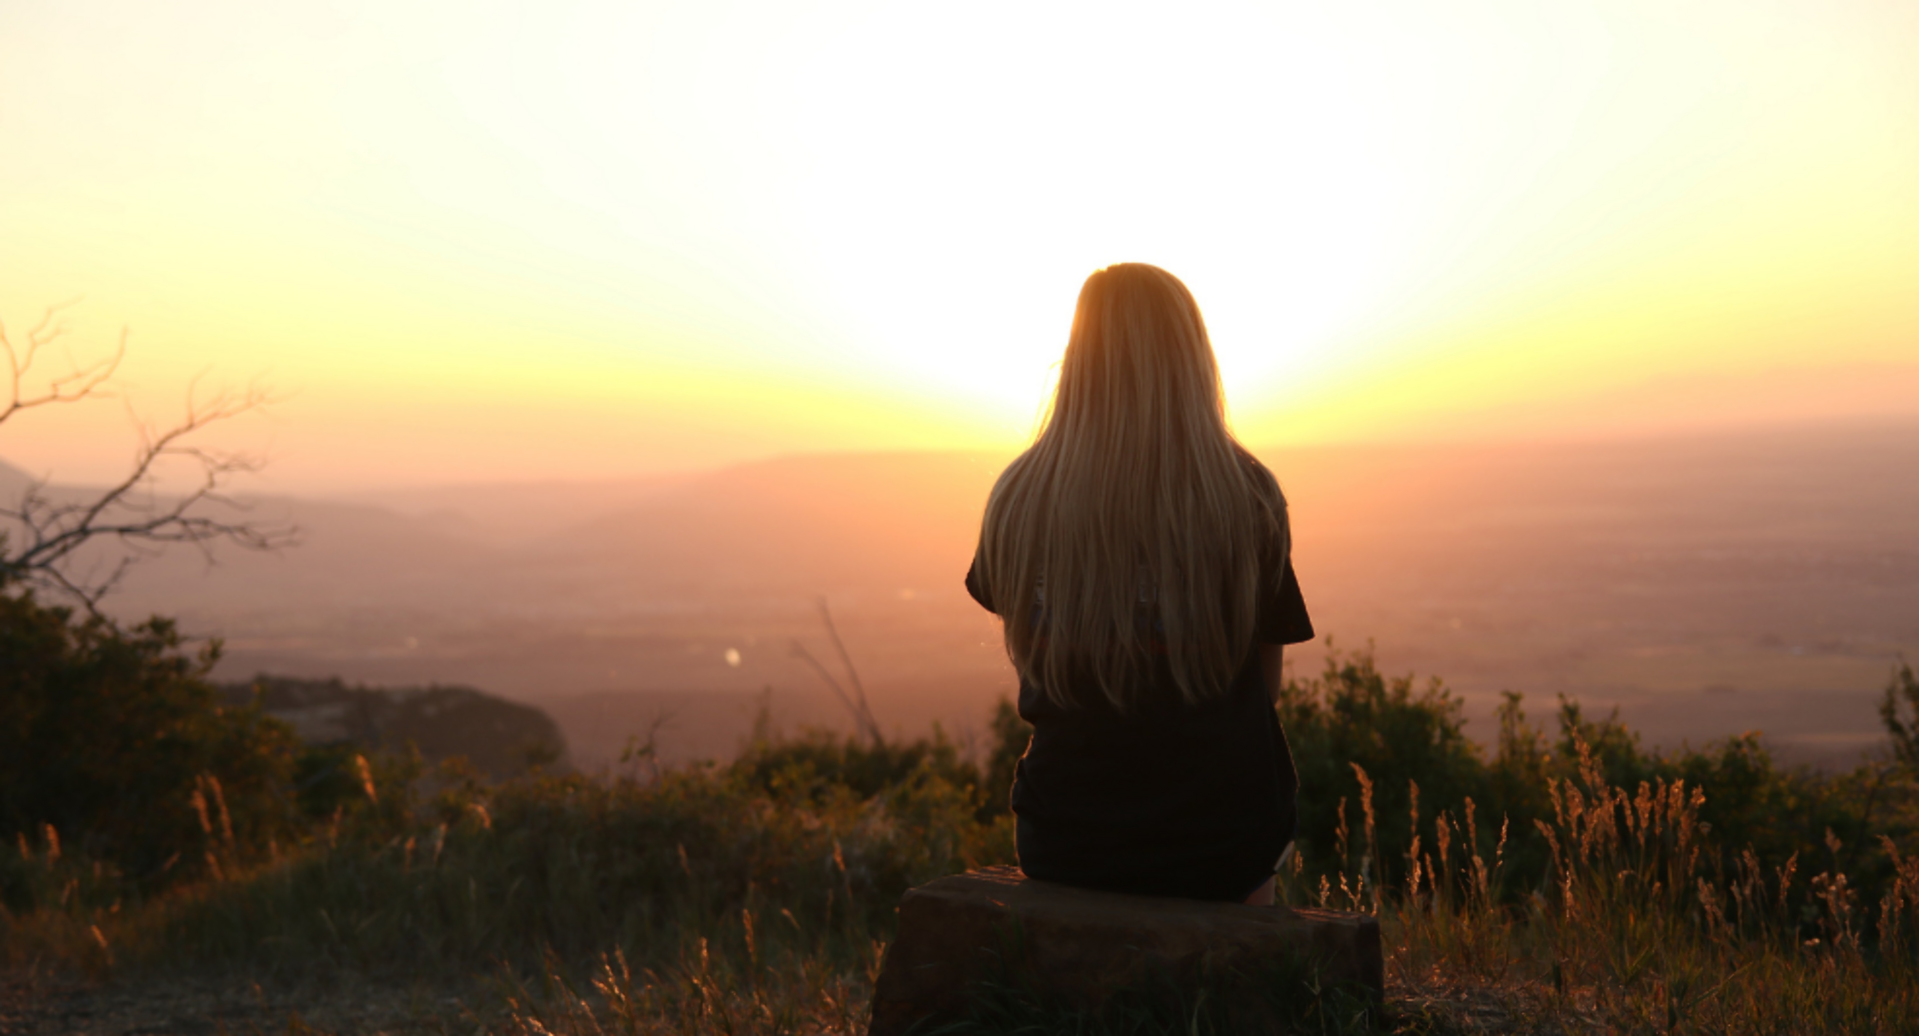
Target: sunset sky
(475, 241)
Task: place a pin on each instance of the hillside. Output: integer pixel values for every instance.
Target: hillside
(501, 739)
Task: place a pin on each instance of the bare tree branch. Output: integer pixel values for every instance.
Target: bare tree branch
(80, 381)
(648, 749)
(853, 675)
(856, 702)
(131, 512)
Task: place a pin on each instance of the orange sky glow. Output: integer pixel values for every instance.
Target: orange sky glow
(470, 242)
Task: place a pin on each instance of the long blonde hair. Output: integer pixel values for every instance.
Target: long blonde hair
(1134, 506)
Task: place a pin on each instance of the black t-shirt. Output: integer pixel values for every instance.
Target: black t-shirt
(1168, 799)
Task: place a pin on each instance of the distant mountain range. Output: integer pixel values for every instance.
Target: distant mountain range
(1660, 573)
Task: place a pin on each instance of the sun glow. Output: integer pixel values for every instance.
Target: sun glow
(591, 238)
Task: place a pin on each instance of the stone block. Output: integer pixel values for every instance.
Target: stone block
(1078, 948)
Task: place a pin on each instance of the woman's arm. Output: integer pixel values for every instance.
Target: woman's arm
(1270, 672)
(1270, 669)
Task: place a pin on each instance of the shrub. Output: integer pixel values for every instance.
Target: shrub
(818, 764)
(1360, 736)
(114, 745)
(1351, 725)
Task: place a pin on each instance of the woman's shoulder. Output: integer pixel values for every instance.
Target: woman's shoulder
(1263, 483)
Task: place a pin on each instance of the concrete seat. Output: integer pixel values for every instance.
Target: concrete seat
(1080, 948)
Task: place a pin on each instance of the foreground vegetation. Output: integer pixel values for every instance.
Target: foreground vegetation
(1570, 882)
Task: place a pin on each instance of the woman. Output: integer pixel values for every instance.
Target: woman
(1139, 559)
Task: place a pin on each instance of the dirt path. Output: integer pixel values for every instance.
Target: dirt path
(35, 1004)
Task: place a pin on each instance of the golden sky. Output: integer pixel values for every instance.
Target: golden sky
(471, 241)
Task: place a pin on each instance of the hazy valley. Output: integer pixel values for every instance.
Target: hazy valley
(1706, 584)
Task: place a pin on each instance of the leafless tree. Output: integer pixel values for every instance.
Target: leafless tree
(42, 533)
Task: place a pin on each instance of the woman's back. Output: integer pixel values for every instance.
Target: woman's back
(1169, 797)
(1139, 557)
(1134, 487)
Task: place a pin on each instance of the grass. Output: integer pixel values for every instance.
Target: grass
(757, 897)
(1636, 932)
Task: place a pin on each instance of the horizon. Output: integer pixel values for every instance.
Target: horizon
(1463, 436)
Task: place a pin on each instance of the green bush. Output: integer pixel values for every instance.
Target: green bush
(1351, 716)
(817, 764)
(115, 747)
